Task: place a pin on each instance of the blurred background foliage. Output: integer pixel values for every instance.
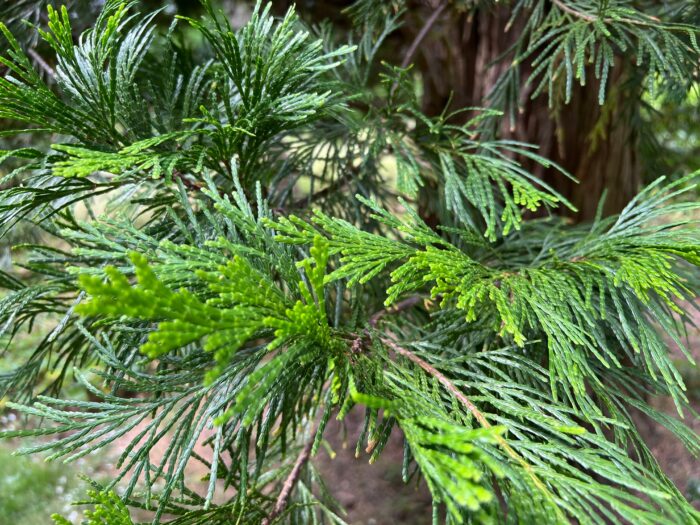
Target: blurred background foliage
(673, 124)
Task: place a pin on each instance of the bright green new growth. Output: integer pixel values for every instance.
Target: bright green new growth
(575, 298)
(246, 304)
(453, 461)
(210, 307)
(109, 510)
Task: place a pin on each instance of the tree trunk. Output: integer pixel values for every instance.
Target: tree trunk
(461, 59)
(464, 56)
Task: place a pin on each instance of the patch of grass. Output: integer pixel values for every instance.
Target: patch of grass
(31, 489)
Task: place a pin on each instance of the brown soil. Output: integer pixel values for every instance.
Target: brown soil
(373, 494)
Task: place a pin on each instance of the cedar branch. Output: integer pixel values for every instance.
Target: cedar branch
(478, 415)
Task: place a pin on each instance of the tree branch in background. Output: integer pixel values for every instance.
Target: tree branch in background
(411, 51)
(561, 4)
(334, 186)
(290, 482)
(410, 302)
(429, 23)
(43, 65)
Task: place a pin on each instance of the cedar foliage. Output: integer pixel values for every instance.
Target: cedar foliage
(259, 269)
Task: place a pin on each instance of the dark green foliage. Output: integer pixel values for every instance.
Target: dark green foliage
(236, 294)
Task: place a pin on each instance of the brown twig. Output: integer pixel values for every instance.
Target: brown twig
(405, 304)
(568, 9)
(41, 62)
(592, 18)
(336, 185)
(429, 23)
(359, 343)
(478, 415)
(190, 185)
(290, 482)
(449, 386)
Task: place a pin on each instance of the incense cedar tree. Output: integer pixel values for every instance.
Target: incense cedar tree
(291, 229)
